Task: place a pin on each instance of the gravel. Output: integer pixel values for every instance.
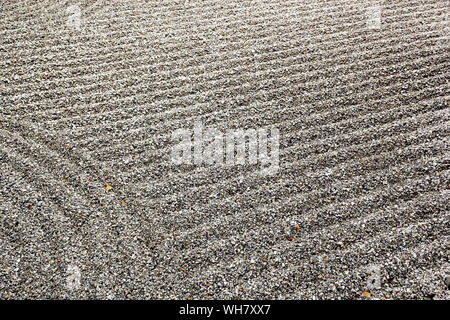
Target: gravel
(93, 208)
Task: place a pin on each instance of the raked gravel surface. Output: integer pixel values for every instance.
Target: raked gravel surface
(91, 206)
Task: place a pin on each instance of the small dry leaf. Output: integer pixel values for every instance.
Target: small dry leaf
(108, 187)
(366, 294)
(123, 203)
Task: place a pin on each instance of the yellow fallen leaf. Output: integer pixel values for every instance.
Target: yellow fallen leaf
(123, 203)
(366, 294)
(108, 187)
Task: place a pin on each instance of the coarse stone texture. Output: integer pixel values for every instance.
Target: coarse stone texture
(91, 206)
